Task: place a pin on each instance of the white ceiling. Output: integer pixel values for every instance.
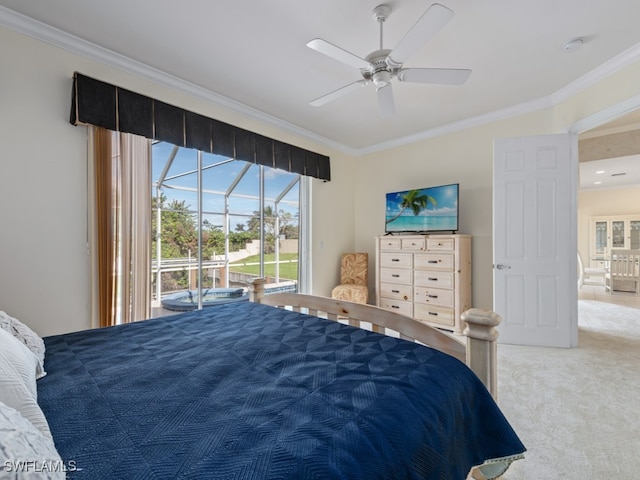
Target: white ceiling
(251, 54)
(610, 173)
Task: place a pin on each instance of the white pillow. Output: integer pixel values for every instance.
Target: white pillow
(18, 388)
(27, 336)
(25, 452)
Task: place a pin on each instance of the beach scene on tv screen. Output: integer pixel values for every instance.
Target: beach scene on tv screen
(422, 210)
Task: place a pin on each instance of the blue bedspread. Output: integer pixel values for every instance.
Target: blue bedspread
(248, 391)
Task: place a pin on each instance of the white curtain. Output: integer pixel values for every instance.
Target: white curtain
(120, 226)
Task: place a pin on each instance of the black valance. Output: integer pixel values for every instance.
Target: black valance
(98, 103)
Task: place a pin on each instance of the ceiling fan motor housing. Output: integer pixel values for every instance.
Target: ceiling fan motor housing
(379, 72)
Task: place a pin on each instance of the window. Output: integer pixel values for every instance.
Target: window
(217, 224)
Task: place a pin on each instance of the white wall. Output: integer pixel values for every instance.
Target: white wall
(44, 267)
(464, 157)
(333, 224)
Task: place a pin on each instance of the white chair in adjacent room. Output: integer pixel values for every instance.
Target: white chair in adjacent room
(624, 272)
(590, 275)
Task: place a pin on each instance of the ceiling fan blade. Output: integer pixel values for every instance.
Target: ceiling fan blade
(426, 27)
(338, 93)
(385, 101)
(337, 53)
(442, 76)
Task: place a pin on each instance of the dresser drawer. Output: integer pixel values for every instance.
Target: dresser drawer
(433, 278)
(398, 306)
(390, 244)
(413, 244)
(396, 260)
(440, 244)
(396, 275)
(433, 296)
(440, 261)
(434, 314)
(397, 291)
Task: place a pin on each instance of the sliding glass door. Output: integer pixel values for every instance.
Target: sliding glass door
(219, 223)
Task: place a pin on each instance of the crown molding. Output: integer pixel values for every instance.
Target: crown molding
(51, 35)
(604, 116)
(598, 74)
(470, 122)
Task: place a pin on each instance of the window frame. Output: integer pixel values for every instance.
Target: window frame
(304, 211)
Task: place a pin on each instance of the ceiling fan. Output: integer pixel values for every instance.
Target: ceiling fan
(382, 65)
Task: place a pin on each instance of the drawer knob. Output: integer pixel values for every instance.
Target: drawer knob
(432, 296)
(395, 275)
(395, 291)
(395, 306)
(434, 261)
(395, 259)
(433, 279)
(433, 314)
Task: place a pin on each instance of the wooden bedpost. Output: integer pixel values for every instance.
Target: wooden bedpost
(256, 290)
(482, 346)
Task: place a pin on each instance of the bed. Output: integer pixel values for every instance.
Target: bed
(250, 391)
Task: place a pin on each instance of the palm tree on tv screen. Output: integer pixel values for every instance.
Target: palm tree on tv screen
(416, 201)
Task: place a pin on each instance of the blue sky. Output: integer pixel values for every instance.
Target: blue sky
(219, 179)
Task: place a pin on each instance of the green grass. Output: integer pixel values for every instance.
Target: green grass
(288, 269)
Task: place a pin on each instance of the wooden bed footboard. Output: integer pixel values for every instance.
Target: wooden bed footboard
(478, 351)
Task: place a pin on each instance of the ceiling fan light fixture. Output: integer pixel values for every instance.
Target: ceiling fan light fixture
(381, 78)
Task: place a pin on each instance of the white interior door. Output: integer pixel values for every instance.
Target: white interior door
(535, 238)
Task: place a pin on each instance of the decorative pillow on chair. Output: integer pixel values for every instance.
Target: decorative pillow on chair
(354, 268)
(18, 366)
(27, 336)
(351, 293)
(25, 452)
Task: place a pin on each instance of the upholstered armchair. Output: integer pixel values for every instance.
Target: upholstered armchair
(353, 278)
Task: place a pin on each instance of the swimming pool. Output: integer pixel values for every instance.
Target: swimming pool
(188, 300)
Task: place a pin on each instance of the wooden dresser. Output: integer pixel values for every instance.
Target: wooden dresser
(427, 277)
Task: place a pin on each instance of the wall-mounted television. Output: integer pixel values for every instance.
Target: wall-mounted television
(430, 209)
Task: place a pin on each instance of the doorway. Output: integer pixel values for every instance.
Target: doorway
(609, 185)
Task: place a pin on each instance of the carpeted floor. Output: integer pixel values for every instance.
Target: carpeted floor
(578, 410)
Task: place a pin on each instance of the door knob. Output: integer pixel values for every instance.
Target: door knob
(501, 266)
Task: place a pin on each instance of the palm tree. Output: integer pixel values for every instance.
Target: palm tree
(416, 201)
